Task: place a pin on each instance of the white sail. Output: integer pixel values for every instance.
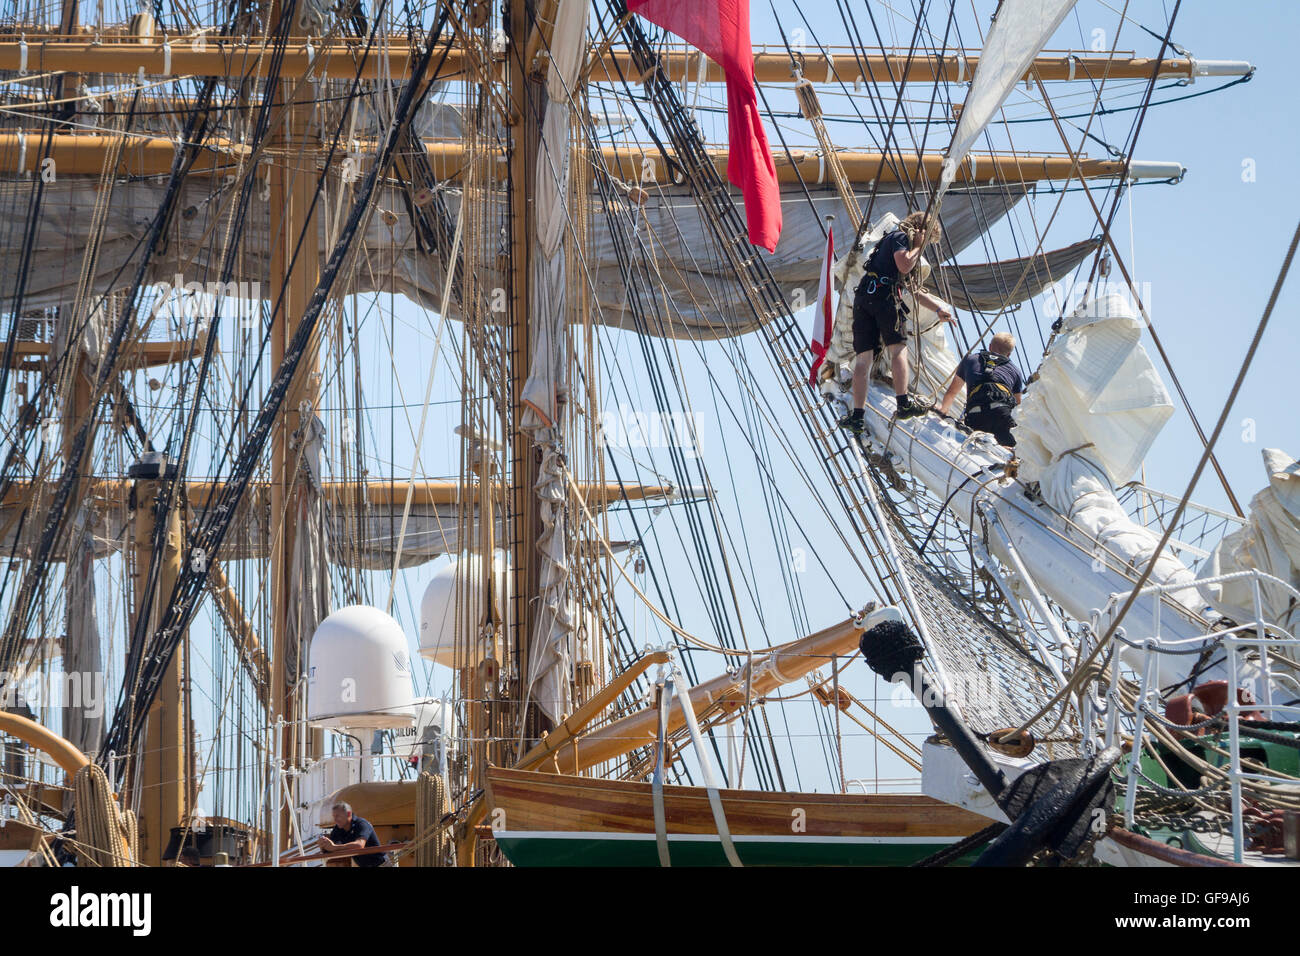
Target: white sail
(1021, 29)
(548, 304)
(1269, 542)
(1098, 397)
(551, 650)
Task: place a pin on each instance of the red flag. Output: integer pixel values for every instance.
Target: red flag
(720, 30)
(824, 319)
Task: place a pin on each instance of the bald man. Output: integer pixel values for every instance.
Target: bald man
(995, 387)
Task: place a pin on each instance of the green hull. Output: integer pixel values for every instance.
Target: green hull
(633, 849)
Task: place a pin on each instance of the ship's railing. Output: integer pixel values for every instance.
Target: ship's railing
(1254, 694)
(1195, 534)
(868, 785)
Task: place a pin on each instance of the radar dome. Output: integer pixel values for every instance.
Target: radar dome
(462, 577)
(360, 673)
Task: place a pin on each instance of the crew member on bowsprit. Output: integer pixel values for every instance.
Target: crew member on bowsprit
(878, 315)
(995, 387)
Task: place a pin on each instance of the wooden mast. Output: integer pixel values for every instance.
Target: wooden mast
(524, 519)
(83, 154)
(488, 720)
(294, 272)
(166, 797)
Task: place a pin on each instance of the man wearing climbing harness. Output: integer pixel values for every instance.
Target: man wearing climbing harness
(995, 387)
(878, 314)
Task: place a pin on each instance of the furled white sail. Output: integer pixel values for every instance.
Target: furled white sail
(1020, 30)
(704, 303)
(1086, 424)
(1097, 396)
(550, 650)
(1268, 542)
(547, 300)
(550, 653)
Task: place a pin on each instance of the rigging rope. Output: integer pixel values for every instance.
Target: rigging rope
(1081, 672)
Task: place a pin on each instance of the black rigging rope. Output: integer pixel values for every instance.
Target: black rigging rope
(208, 536)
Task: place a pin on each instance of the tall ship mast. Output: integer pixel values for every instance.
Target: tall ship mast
(412, 408)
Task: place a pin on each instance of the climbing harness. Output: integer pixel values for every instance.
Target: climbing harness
(988, 394)
(873, 283)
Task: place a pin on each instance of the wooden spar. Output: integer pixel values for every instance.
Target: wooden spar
(841, 65)
(61, 751)
(584, 715)
(343, 494)
(224, 56)
(1154, 853)
(31, 355)
(82, 154)
(780, 666)
(164, 765)
(181, 56)
(543, 29)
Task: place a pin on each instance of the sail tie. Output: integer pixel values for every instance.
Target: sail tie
(710, 782)
(657, 784)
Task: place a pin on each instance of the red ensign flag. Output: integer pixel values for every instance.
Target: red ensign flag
(720, 30)
(824, 318)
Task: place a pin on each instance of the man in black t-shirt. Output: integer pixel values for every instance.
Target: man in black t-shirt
(878, 315)
(351, 833)
(995, 387)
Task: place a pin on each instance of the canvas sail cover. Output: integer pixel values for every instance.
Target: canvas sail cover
(1098, 389)
(1269, 541)
(671, 235)
(1084, 427)
(549, 666)
(1019, 32)
(548, 304)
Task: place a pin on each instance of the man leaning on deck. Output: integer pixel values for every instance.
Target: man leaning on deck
(351, 832)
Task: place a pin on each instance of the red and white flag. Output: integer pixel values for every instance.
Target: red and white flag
(720, 30)
(824, 318)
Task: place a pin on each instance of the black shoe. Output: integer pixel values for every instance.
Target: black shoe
(909, 408)
(855, 425)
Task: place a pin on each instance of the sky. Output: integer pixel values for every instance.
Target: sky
(1236, 146)
(1204, 252)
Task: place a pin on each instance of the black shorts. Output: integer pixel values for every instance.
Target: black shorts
(877, 319)
(995, 421)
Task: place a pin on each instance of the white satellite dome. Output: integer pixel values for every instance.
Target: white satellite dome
(360, 673)
(461, 576)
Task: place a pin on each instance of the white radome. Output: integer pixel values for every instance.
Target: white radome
(360, 674)
(438, 605)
